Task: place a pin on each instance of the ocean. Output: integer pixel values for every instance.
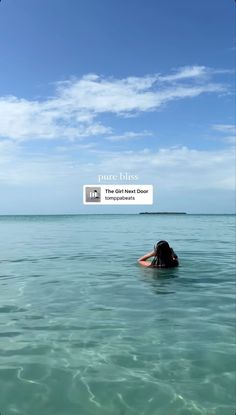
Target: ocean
(85, 330)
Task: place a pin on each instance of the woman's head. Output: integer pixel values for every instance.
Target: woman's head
(161, 246)
(163, 254)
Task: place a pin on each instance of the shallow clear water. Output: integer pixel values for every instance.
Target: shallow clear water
(85, 330)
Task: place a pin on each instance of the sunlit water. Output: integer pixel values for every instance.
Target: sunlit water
(85, 331)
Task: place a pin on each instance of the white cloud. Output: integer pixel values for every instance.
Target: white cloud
(187, 72)
(169, 168)
(227, 132)
(195, 72)
(24, 170)
(225, 128)
(175, 168)
(230, 139)
(127, 95)
(22, 119)
(73, 112)
(129, 135)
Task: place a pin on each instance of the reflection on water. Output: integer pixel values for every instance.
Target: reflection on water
(160, 280)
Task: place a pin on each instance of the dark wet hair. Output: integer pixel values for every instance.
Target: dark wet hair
(164, 256)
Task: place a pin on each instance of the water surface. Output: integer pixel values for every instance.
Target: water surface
(85, 331)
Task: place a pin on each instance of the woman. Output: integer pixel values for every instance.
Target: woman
(164, 257)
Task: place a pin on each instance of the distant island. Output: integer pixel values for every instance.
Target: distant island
(162, 213)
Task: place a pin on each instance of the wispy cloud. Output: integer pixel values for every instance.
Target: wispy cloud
(187, 72)
(73, 112)
(176, 167)
(129, 135)
(22, 119)
(225, 128)
(227, 132)
(196, 72)
(168, 168)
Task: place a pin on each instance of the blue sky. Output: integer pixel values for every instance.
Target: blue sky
(93, 87)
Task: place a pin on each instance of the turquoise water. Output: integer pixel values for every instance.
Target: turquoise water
(84, 330)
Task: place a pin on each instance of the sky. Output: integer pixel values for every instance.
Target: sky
(91, 88)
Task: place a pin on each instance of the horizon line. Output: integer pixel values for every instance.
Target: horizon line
(137, 213)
